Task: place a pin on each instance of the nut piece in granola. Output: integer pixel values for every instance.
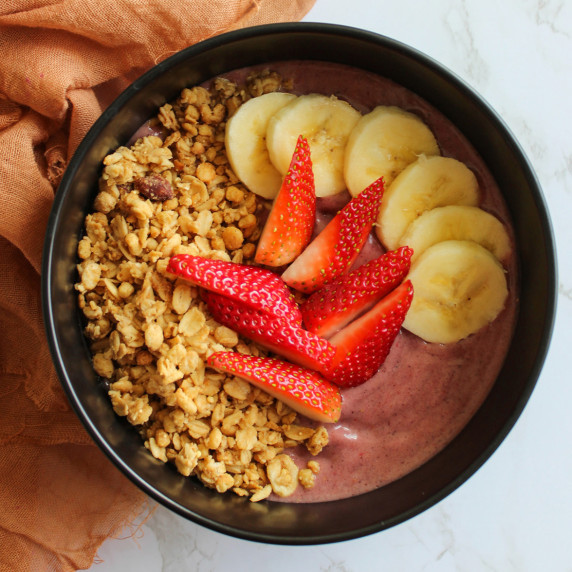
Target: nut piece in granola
(154, 187)
(283, 475)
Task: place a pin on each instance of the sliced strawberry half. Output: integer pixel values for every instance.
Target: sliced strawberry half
(289, 226)
(334, 250)
(363, 345)
(275, 334)
(303, 390)
(256, 287)
(347, 296)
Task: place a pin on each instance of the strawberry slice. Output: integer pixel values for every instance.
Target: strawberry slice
(347, 296)
(361, 347)
(256, 287)
(303, 390)
(275, 334)
(334, 250)
(289, 226)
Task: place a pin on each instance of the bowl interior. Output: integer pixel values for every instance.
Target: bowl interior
(322, 522)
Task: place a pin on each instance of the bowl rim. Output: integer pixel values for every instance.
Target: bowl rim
(65, 189)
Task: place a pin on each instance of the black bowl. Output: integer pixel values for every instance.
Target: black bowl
(282, 523)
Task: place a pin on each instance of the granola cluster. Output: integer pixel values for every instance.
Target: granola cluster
(173, 191)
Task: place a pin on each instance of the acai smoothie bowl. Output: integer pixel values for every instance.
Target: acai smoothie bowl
(299, 283)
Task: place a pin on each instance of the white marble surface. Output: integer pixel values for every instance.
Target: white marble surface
(514, 513)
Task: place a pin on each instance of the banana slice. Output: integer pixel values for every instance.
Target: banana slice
(326, 122)
(427, 183)
(245, 140)
(455, 222)
(383, 143)
(459, 288)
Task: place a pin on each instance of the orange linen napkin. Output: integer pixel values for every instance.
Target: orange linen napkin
(62, 62)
